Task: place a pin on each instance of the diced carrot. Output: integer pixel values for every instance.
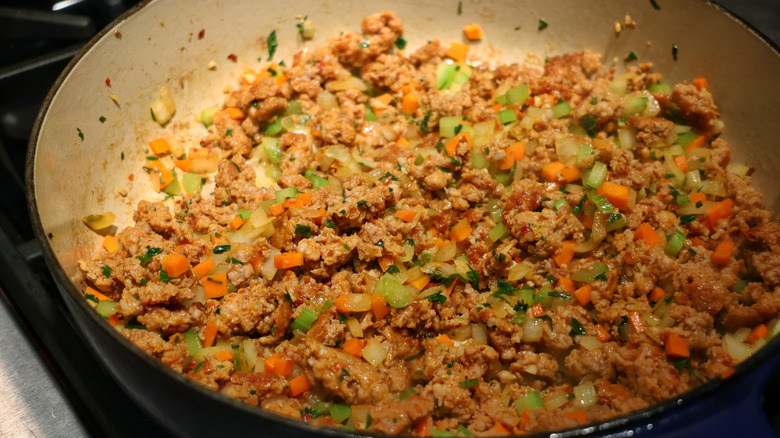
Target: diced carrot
(497, 107)
(405, 215)
(580, 416)
(537, 310)
(722, 252)
(409, 103)
(317, 133)
(321, 212)
(279, 364)
(565, 254)
(175, 265)
(203, 268)
(444, 339)
(160, 176)
(131, 177)
(424, 427)
(236, 223)
(728, 373)
(185, 164)
(420, 282)
(257, 261)
(759, 332)
(514, 153)
(636, 322)
(646, 233)
(617, 195)
(235, 113)
(461, 230)
(657, 294)
(602, 334)
(677, 346)
(408, 88)
(215, 286)
(385, 262)
(113, 320)
(224, 355)
(353, 346)
(681, 162)
(566, 284)
(209, 333)
(473, 32)
(458, 51)
(111, 243)
(299, 385)
(176, 338)
(159, 146)
(697, 242)
(304, 199)
(452, 146)
(276, 209)
(439, 242)
(500, 429)
(385, 99)
(587, 221)
(218, 240)
(403, 142)
(280, 79)
(700, 83)
(379, 306)
(288, 260)
(556, 170)
(289, 203)
(721, 210)
(697, 197)
(583, 294)
(697, 142)
(96, 294)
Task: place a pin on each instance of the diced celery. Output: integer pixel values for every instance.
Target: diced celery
(659, 87)
(106, 308)
(289, 192)
(507, 116)
(272, 149)
(601, 203)
(496, 215)
(267, 204)
(616, 221)
(370, 116)
(498, 232)
(273, 171)
(740, 285)
(503, 178)
(634, 105)
(207, 115)
(618, 86)
(543, 296)
(439, 432)
(583, 152)
(560, 202)
(406, 393)
(517, 95)
(675, 243)
(274, 128)
(317, 181)
(561, 109)
(192, 182)
(304, 320)
(596, 176)
(320, 408)
(460, 78)
(174, 188)
(340, 413)
(529, 400)
(518, 318)
(293, 107)
(589, 275)
(244, 214)
(445, 74)
(685, 138)
(193, 342)
(396, 294)
(478, 159)
(448, 124)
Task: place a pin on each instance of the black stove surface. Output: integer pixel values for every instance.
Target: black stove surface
(36, 42)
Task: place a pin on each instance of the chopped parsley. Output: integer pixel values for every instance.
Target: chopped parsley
(548, 318)
(81, 134)
(164, 278)
(576, 328)
(400, 42)
(102, 119)
(468, 383)
(106, 270)
(688, 218)
(424, 123)
(589, 123)
(542, 24)
(630, 57)
(393, 269)
(330, 224)
(438, 297)
(302, 230)
(674, 51)
(219, 249)
(150, 253)
(272, 44)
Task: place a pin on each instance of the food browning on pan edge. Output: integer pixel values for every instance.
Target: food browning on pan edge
(396, 240)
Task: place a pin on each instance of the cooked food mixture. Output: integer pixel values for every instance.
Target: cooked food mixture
(402, 242)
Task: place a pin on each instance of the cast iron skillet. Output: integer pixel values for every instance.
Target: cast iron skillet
(77, 164)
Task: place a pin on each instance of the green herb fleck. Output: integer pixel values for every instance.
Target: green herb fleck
(674, 51)
(106, 270)
(81, 134)
(302, 230)
(548, 318)
(630, 57)
(102, 119)
(272, 44)
(468, 383)
(542, 24)
(576, 328)
(219, 249)
(400, 42)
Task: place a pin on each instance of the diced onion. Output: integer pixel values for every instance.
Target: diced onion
(99, 221)
(350, 83)
(268, 270)
(250, 353)
(374, 352)
(461, 333)
(327, 100)
(585, 395)
(555, 400)
(354, 326)
(567, 148)
(589, 343)
(736, 348)
(738, 169)
(627, 137)
(446, 252)
(533, 330)
(713, 187)
(598, 233)
(478, 334)
(520, 271)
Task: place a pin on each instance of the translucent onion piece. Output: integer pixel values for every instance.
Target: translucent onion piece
(350, 83)
(585, 395)
(533, 330)
(374, 352)
(327, 100)
(598, 233)
(567, 148)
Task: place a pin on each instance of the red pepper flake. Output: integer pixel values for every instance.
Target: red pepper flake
(526, 228)
(201, 34)
(233, 57)
(118, 33)
(131, 177)
(108, 81)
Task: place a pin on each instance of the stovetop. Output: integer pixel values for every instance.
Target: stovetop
(51, 385)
